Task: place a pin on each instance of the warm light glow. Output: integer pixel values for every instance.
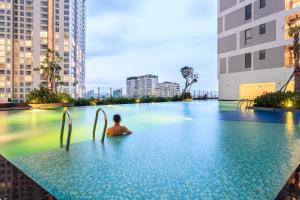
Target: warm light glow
(93, 103)
(251, 91)
(289, 125)
(290, 4)
(138, 100)
(289, 104)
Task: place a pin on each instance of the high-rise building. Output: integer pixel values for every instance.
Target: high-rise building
(167, 89)
(90, 94)
(27, 29)
(117, 93)
(254, 54)
(142, 86)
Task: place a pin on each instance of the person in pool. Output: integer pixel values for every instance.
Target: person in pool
(117, 129)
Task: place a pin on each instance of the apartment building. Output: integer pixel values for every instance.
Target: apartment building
(141, 86)
(118, 93)
(167, 89)
(254, 54)
(27, 29)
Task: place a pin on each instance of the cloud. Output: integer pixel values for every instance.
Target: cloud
(150, 36)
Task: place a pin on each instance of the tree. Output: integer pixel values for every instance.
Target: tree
(50, 70)
(190, 78)
(294, 32)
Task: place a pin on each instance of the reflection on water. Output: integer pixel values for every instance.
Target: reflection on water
(290, 127)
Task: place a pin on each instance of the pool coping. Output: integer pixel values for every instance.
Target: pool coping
(10, 186)
(276, 109)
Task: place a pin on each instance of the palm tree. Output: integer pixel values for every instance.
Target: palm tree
(294, 32)
(50, 70)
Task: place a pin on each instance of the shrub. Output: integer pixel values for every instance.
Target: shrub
(113, 101)
(278, 100)
(44, 95)
(186, 95)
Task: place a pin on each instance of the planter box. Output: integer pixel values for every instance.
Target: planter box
(51, 105)
(13, 106)
(188, 100)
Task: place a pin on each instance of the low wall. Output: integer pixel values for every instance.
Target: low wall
(51, 105)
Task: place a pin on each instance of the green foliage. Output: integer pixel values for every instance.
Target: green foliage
(279, 100)
(114, 101)
(50, 70)
(44, 95)
(186, 95)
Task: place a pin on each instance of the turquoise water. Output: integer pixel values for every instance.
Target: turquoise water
(198, 150)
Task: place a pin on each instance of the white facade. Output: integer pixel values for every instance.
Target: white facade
(27, 29)
(167, 89)
(141, 86)
(263, 37)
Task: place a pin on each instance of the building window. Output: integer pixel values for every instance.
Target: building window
(262, 55)
(262, 29)
(248, 36)
(248, 12)
(262, 3)
(248, 60)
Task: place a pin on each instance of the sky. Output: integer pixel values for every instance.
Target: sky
(136, 37)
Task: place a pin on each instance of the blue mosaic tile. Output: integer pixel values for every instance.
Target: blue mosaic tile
(193, 159)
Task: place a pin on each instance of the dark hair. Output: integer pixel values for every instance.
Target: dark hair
(117, 118)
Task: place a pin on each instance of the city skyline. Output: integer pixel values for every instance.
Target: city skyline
(136, 38)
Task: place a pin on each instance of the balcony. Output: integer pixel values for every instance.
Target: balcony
(290, 4)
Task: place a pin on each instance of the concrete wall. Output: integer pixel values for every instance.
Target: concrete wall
(272, 6)
(220, 25)
(237, 64)
(227, 4)
(223, 66)
(228, 43)
(269, 36)
(274, 59)
(235, 19)
(229, 84)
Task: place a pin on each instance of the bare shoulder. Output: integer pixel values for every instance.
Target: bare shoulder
(125, 129)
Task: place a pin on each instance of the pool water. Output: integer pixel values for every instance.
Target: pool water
(197, 150)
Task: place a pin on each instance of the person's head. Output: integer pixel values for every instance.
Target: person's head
(117, 118)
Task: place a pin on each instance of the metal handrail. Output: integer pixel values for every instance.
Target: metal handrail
(242, 101)
(95, 124)
(240, 104)
(63, 129)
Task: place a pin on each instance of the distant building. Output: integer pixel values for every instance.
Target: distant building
(141, 86)
(90, 94)
(167, 89)
(117, 93)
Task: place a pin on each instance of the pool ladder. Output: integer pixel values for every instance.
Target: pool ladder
(248, 102)
(95, 124)
(68, 114)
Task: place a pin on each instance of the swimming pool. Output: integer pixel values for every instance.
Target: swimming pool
(197, 150)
